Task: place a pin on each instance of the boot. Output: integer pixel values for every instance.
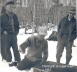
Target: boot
(12, 64)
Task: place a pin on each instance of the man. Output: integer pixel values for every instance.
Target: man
(9, 31)
(37, 46)
(66, 35)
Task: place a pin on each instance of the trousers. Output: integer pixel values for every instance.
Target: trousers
(62, 43)
(10, 41)
(27, 64)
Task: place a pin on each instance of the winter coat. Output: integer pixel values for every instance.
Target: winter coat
(5, 24)
(67, 26)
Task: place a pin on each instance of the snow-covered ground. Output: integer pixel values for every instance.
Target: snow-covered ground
(51, 53)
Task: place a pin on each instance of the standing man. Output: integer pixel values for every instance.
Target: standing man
(37, 46)
(66, 35)
(9, 31)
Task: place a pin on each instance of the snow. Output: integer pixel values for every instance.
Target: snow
(51, 53)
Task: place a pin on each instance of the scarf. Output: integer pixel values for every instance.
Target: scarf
(11, 22)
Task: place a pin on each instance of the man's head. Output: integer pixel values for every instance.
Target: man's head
(42, 32)
(10, 6)
(72, 12)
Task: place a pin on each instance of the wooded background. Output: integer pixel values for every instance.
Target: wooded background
(41, 12)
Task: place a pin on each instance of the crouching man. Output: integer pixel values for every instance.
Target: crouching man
(37, 50)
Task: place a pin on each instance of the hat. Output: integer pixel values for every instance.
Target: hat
(42, 30)
(72, 10)
(10, 2)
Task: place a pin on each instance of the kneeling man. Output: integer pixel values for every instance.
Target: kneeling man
(37, 50)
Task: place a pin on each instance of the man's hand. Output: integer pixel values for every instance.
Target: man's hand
(5, 32)
(20, 50)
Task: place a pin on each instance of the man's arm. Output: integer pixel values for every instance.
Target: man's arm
(72, 36)
(59, 30)
(45, 52)
(16, 25)
(24, 45)
(59, 26)
(1, 25)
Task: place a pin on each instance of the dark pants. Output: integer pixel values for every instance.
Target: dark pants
(10, 40)
(64, 42)
(3, 51)
(27, 64)
(3, 45)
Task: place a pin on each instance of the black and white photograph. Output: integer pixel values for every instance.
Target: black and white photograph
(38, 36)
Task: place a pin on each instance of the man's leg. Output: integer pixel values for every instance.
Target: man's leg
(24, 64)
(3, 50)
(3, 46)
(5, 43)
(34, 63)
(15, 49)
(68, 51)
(60, 48)
(7, 48)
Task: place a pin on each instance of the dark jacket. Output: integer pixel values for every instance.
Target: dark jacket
(70, 26)
(5, 24)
